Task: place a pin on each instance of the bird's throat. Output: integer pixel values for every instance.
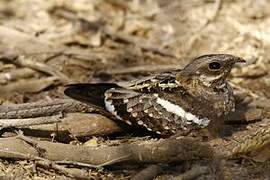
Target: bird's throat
(212, 81)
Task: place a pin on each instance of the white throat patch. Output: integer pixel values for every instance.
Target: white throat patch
(190, 118)
(207, 80)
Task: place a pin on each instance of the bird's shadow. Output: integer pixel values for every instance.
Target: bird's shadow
(244, 114)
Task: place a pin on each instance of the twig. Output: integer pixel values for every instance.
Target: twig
(193, 173)
(42, 67)
(39, 66)
(31, 142)
(243, 142)
(77, 125)
(7, 123)
(91, 165)
(45, 163)
(42, 108)
(74, 173)
(113, 161)
(260, 138)
(65, 162)
(16, 74)
(148, 173)
(33, 85)
(19, 155)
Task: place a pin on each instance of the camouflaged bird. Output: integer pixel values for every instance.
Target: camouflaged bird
(192, 98)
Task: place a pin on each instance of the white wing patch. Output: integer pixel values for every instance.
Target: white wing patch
(173, 108)
(110, 107)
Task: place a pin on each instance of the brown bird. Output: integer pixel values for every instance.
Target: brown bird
(195, 97)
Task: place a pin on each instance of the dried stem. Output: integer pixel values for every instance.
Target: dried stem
(42, 108)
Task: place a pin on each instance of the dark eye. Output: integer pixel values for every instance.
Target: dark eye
(214, 66)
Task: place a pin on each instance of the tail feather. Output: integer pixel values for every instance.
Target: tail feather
(92, 94)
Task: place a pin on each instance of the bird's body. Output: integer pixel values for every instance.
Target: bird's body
(169, 102)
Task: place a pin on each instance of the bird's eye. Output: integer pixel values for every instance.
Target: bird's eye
(214, 66)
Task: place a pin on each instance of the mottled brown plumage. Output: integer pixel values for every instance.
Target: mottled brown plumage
(195, 97)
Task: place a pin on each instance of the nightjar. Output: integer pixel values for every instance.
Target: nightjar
(194, 97)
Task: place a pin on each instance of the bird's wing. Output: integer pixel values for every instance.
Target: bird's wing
(140, 109)
(126, 105)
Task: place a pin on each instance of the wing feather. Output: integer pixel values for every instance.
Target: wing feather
(141, 109)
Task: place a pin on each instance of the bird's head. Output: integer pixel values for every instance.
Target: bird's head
(210, 70)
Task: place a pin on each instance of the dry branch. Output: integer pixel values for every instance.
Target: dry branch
(39, 116)
(243, 142)
(72, 172)
(23, 86)
(16, 74)
(80, 124)
(154, 151)
(193, 173)
(77, 125)
(45, 163)
(142, 151)
(7, 123)
(40, 66)
(148, 173)
(36, 65)
(42, 108)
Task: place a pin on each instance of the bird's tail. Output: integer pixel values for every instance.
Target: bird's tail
(92, 94)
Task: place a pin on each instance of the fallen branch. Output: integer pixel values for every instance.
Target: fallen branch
(71, 172)
(42, 108)
(38, 66)
(154, 151)
(193, 173)
(243, 142)
(33, 85)
(45, 163)
(148, 173)
(142, 151)
(7, 123)
(16, 74)
(75, 124)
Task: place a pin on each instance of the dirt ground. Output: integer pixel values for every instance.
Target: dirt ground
(47, 44)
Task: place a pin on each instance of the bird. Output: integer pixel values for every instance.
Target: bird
(195, 97)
